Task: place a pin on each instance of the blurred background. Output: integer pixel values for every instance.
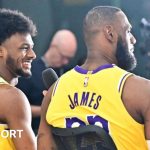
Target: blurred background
(52, 15)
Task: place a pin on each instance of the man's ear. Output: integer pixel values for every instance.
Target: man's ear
(109, 33)
(2, 51)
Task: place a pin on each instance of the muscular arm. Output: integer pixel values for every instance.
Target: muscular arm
(136, 98)
(16, 113)
(45, 138)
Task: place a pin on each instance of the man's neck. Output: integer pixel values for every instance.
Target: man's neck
(8, 77)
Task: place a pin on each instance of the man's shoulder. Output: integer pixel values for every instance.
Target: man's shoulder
(11, 99)
(13, 104)
(138, 80)
(11, 94)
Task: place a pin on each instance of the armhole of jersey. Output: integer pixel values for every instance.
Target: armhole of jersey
(55, 87)
(122, 81)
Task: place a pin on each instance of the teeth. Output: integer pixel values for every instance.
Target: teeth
(27, 63)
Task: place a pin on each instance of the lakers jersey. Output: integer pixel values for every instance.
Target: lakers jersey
(6, 142)
(82, 97)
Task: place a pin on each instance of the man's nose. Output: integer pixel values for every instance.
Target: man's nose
(133, 40)
(31, 54)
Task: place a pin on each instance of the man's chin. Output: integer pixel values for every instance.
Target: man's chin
(25, 74)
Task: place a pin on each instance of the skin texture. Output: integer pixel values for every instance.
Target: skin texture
(106, 37)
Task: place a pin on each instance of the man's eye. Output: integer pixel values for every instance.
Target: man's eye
(24, 48)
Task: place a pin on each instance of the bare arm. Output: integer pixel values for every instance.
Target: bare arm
(17, 114)
(45, 138)
(136, 98)
(36, 110)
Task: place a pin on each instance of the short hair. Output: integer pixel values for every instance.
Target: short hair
(97, 17)
(13, 21)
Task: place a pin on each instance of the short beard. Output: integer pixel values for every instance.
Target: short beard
(125, 60)
(17, 72)
(21, 73)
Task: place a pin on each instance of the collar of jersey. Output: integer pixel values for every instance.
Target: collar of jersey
(84, 71)
(3, 81)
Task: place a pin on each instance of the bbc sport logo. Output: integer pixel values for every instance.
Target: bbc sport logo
(11, 133)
